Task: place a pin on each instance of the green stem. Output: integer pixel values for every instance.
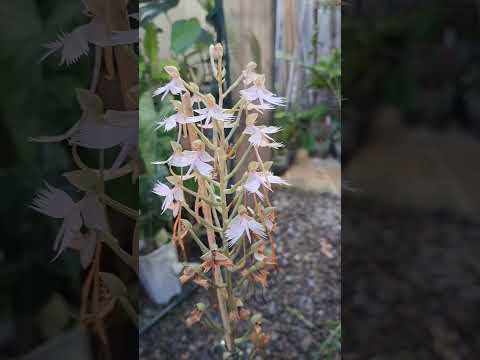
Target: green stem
(240, 163)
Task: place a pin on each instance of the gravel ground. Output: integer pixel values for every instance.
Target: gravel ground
(412, 285)
(302, 303)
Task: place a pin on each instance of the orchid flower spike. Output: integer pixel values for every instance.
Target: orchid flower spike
(256, 179)
(212, 111)
(244, 224)
(175, 86)
(258, 92)
(259, 134)
(173, 197)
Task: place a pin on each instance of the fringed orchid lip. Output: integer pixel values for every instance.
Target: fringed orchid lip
(173, 197)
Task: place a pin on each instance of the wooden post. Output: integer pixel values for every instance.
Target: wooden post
(250, 26)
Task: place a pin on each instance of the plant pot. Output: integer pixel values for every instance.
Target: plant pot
(159, 273)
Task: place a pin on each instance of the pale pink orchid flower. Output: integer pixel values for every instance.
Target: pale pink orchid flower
(244, 224)
(76, 43)
(256, 179)
(173, 197)
(259, 136)
(258, 92)
(212, 111)
(197, 160)
(56, 203)
(171, 122)
(100, 136)
(174, 87)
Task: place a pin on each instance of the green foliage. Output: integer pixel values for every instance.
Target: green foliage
(256, 51)
(332, 345)
(150, 46)
(188, 33)
(187, 38)
(327, 71)
(152, 9)
(296, 126)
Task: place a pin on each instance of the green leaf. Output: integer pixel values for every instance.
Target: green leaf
(184, 34)
(150, 44)
(204, 39)
(256, 51)
(151, 10)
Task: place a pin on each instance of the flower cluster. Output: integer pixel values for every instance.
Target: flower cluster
(85, 225)
(233, 204)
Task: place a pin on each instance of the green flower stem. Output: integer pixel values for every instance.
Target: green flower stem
(240, 162)
(200, 244)
(233, 86)
(201, 220)
(235, 125)
(208, 201)
(205, 140)
(131, 213)
(113, 244)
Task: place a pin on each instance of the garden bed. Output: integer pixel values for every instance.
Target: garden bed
(302, 303)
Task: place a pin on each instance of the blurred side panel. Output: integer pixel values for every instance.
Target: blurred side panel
(410, 207)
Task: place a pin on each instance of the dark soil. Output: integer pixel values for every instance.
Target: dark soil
(301, 305)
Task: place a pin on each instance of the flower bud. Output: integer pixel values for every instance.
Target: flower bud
(256, 318)
(251, 118)
(251, 66)
(187, 225)
(260, 81)
(216, 51)
(210, 100)
(194, 87)
(176, 146)
(253, 166)
(242, 210)
(172, 71)
(201, 307)
(198, 145)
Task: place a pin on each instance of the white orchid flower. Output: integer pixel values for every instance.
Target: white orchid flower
(256, 179)
(173, 197)
(258, 92)
(171, 122)
(197, 160)
(259, 136)
(96, 135)
(56, 203)
(175, 86)
(212, 111)
(178, 158)
(76, 43)
(244, 224)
